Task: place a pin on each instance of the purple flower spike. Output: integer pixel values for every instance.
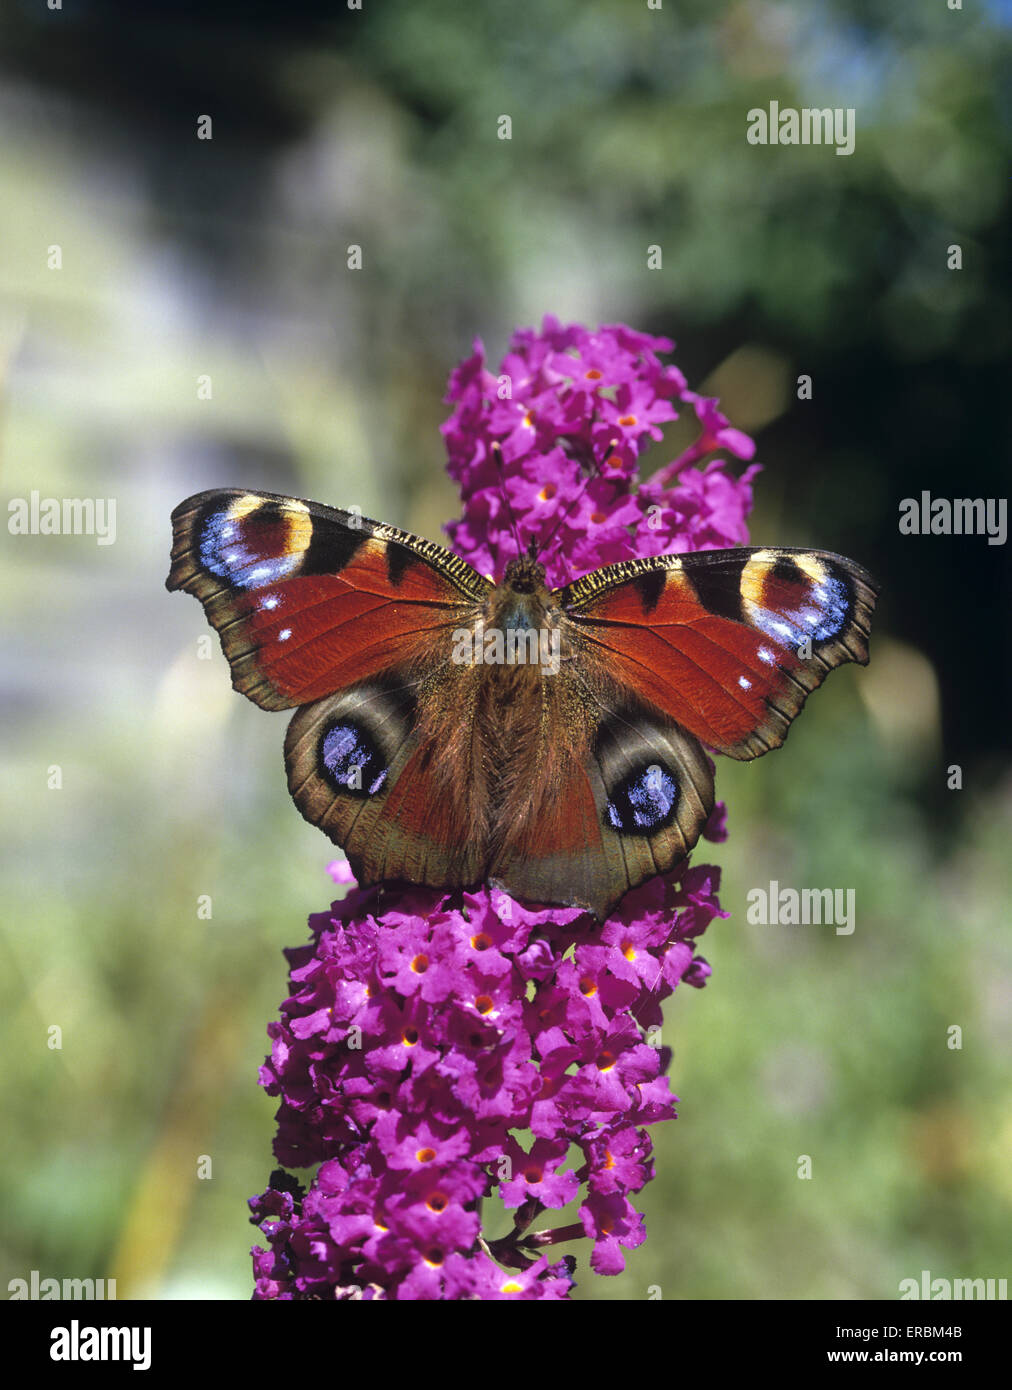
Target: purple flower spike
(427, 1034)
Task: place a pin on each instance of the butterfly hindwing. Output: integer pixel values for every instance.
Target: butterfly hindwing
(308, 599)
(631, 803)
(728, 643)
(359, 768)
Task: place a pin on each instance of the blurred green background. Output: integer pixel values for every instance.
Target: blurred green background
(227, 257)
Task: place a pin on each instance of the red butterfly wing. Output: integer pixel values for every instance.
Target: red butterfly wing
(627, 800)
(308, 599)
(728, 643)
(361, 768)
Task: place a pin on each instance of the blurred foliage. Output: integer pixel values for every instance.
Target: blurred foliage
(228, 257)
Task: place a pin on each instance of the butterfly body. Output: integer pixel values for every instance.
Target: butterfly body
(450, 731)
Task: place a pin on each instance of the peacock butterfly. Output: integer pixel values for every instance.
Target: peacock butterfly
(450, 730)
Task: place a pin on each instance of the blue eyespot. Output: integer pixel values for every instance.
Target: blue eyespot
(352, 760)
(822, 615)
(225, 550)
(833, 608)
(644, 801)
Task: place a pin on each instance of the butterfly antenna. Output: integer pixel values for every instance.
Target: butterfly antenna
(497, 455)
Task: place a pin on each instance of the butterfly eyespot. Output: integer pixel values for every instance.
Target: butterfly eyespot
(643, 801)
(833, 611)
(352, 760)
(252, 543)
(794, 599)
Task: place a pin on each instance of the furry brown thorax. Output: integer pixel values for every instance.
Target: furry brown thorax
(522, 601)
(524, 575)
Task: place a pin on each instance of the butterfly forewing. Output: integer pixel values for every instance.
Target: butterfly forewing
(306, 598)
(728, 643)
